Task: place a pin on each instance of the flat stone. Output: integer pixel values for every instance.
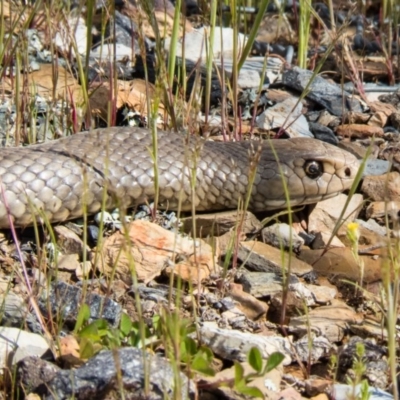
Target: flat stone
(68, 262)
(265, 258)
(376, 167)
(286, 115)
(332, 321)
(325, 215)
(262, 284)
(378, 209)
(378, 119)
(383, 187)
(328, 95)
(152, 250)
(16, 344)
(341, 262)
(69, 241)
(65, 301)
(195, 48)
(343, 392)
(282, 236)
(248, 304)
(121, 371)
(32, 372)
(358, 131)
(234, 345)
(320, 348)
(217, 224)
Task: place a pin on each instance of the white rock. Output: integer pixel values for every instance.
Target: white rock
(197, 41)
(16, 344)
(286, 115)
(106, 52)
(77, 30)
(235, 345)
(343, 392)
(281, 234)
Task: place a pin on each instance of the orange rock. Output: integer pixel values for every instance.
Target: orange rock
(359, 131)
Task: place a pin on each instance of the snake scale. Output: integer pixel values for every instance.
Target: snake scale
(61, 179)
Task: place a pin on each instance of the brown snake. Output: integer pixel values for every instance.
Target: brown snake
(62, 179)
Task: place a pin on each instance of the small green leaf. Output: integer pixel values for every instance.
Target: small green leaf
(125, 325)
(201, 363)
(250, 391)
(86, 348)
(239, 373)
(82, 318)
(255, 359)
(273, 361)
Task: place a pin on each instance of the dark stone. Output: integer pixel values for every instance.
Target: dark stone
(33, 372)
(119, 374)
(323, 133)
(64, 301)
(328, 95)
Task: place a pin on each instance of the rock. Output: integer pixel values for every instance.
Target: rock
(263, 284)
(374, 359)
(312, 349)
(234, 345)
(195, 49)
(69, 241)
(328, 95)
(341, 262)
(322, 294)
(323, 133)
(249, 305)
(151, 250)
(16, 344)
(33, 372)
(378, 209)
(383, 187)
(395, 120)
(376, 167)
(315, 386)
(324, 217)
(14, 309)
(259, 256)
(68, 262)
(217, 224)
(121, 371)
(282, 236)
(286, 115)
(358, 131)
(64, 301)
(332, 321)
(378, 119)
(74, 29)
(341, 391)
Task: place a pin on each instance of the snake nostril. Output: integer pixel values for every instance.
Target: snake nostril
(347, 172)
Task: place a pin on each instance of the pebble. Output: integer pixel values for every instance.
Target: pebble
(286, 115)
(282, 236)
(259, 256)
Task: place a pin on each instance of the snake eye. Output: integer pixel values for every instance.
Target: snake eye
(313, 169)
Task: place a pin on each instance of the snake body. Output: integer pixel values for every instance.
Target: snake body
(62, 179)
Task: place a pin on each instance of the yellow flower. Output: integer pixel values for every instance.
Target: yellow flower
(352, 232)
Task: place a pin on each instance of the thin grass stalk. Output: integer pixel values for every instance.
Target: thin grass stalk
(253, 33)
(304, 33)
(209, 60)
(174, 44)
(235, 71)
(90, 7)
(391, 281)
